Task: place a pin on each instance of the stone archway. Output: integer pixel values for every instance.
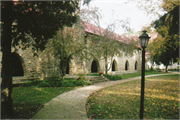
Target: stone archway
(67, 68)
(127, 65)
(114, 66)
(94, 67)
(136, 65)
(17, 67)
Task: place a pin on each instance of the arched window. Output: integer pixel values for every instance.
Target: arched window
(94, 67)
(136, 65)
(17, 68)
(127, 65)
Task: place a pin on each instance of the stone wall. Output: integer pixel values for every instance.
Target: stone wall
(37, 66)
(45, 64)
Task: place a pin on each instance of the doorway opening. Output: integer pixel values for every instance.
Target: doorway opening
(94, 67)
(17, 68)
(136, 65)
(114, 66)
(127, 65)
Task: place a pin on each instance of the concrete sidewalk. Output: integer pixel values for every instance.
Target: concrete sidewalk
(72, 104)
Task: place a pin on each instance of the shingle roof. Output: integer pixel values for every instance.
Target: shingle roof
(93, 29)
(90, 28)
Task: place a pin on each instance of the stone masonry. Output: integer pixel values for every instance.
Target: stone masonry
(36, 66)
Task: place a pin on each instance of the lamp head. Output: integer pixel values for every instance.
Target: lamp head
(144, 39)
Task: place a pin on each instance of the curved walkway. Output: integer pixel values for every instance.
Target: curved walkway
(71, 104)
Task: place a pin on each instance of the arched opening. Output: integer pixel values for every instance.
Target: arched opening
(114, 66)
(94, 67)
(126, 65)
(17, 68)
(67, 68)
(136, 65)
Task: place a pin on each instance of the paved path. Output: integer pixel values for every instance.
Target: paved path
(71, 104)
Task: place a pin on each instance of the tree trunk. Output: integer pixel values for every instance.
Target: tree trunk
(106, 65)
(166, 68)
(6, 85)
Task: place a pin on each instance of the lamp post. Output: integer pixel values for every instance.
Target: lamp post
(144, 39)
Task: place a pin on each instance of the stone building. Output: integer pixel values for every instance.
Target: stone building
(24, 63)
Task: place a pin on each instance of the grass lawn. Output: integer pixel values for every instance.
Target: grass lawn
(147, 72)
(130, 75)
(28, 100)
(123, 101)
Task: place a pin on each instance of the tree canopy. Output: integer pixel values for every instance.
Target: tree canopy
(65, 45)
(166, 46)
(23, 20)
(39, 19)
(106, 44)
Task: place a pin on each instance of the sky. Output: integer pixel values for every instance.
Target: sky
(112, 10)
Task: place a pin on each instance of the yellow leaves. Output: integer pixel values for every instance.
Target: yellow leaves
(160, 97)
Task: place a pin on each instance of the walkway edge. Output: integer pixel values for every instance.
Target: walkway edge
(72, 104)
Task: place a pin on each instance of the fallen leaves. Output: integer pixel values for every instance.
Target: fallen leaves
(122, 101)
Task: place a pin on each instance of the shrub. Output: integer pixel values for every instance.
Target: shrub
(50, 83)
(57, 82)
(113, 77)
(73, 83)
(68, 84)
(29, 83)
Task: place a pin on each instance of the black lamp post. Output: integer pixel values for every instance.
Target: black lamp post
(144, 39)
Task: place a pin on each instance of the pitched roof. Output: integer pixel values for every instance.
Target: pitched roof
(97, 30)
(93, 29)
(90, 28)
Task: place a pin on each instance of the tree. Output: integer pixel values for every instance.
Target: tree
(105, 44)
(66, 44)
(168, 46)
(40, 20)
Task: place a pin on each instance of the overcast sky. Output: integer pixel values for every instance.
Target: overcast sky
(112, 10)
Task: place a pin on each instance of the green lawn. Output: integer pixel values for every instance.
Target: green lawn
(123, 101)
(147, 72)
(130, 75)
(28, 100)
(30, 97)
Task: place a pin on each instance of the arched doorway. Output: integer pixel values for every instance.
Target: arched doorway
(126, 65)
(114, 66)
(17, 68)
(67, 68)
(94, 67)
(136, 65)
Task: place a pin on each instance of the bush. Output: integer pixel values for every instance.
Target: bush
(50, 83)
(113, 77)
(29, 83)
(73, 83)
(68, 84)
(57, 82)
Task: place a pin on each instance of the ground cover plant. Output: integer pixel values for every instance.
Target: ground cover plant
(55, 82)
(29, 97)
(28, 100)
(123, 101)
(130, 75)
